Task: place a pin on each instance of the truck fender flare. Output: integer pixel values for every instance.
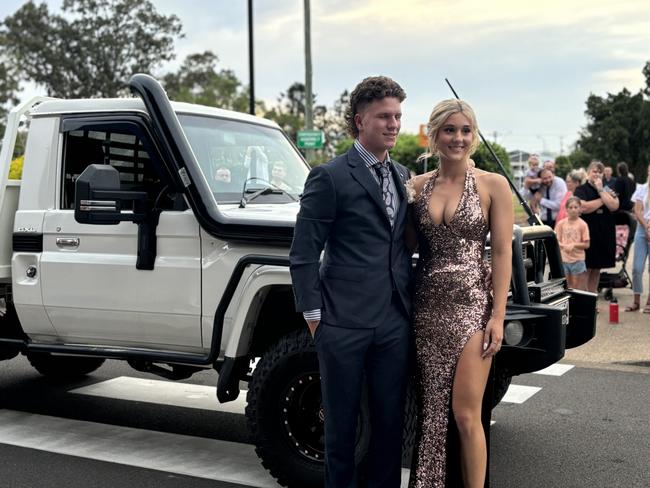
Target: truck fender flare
(233, 366)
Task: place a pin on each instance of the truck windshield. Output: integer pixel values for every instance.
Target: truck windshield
(238, 158)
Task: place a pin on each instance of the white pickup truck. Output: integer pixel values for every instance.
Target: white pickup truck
(158, 233)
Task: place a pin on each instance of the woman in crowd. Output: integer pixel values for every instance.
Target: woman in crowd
(458, 321)
(641, 199)
(624, 187)
(573, 180)
(597, 206)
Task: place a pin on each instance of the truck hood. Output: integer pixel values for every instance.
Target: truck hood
(283, 214)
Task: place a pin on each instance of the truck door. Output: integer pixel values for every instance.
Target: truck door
(92, 291)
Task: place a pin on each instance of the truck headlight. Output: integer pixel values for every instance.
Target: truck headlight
(513, 332)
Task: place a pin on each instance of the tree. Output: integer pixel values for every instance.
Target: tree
(618, 128)
(579, 158)
(289, 113)
(610, 134)
(8, 90)
(563, 166)
(198, 81)
(484, 160)
(92, 49)
(406, 151)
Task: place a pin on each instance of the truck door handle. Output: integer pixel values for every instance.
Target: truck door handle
(67, 242)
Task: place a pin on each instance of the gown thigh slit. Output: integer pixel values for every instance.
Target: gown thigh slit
(451, 304)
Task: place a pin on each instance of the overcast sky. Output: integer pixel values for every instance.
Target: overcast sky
(526, 69)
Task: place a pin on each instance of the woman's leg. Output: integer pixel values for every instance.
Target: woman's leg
(581, 281)
(571, 280)
(640, 254)
(467, 398)
(646, 309)
(593, 275)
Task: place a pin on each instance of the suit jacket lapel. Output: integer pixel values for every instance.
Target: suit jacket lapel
(361, 174)
(399, 180)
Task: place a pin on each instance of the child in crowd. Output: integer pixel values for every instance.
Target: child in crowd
(573, 237)
(532, 181)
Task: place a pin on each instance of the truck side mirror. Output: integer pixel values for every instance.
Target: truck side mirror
(99, 200)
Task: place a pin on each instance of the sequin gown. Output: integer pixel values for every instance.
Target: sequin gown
(451, 303)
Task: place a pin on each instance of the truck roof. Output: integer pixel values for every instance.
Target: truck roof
(56, 106)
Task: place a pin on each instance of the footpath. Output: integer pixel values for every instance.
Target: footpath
(624, 346)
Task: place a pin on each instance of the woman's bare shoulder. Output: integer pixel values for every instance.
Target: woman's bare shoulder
(493, 181)
(418, 181)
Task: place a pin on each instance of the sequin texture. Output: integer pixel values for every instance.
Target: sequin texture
(451, 303)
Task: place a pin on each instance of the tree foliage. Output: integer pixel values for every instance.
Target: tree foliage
(407, 152)
(563, 166)
(618, 128)
(8, 91)
(92, 49)
(199, 81)
(289, 113)
(579, 158)
(16, 168)
(484, 160)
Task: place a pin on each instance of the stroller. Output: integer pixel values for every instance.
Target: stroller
(625, 229)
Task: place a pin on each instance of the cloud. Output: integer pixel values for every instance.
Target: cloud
(527, 68)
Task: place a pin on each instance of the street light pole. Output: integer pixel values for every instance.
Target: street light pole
(309, 100)
(251, 72)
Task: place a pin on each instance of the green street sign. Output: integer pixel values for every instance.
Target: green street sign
(310, 139)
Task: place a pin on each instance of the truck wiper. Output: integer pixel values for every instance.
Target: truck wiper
(271, 189)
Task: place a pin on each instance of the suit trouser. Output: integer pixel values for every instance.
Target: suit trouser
(347, 357)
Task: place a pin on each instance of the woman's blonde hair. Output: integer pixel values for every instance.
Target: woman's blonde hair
(439, 115)
(578, 176)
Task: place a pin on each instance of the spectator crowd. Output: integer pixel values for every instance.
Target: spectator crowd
(588, 210)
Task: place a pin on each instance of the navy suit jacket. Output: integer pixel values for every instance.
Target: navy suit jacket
(342, 211)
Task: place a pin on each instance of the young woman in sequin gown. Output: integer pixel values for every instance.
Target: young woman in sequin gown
(458, 321)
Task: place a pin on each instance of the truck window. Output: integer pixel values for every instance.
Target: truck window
(124, 151)
(234, 153)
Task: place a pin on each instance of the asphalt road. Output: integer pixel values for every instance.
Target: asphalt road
(583, 427)
(584, 423)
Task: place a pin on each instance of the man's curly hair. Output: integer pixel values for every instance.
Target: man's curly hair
(370, 89)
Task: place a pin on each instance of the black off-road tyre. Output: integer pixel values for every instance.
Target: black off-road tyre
(501, 383)
(8, 352)
(285, 416)
(63, 367)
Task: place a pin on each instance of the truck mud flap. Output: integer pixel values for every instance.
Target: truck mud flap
(582, 318)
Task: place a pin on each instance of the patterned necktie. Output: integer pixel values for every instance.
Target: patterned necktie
(383, 171)
(549, 214)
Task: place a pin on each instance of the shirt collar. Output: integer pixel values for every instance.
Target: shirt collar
(368, 158)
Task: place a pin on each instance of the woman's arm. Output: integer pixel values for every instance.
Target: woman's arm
(591, 206)
(501, 221)
(413, 189)
(638, 213)
(610, 200)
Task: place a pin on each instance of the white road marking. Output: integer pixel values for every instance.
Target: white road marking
(163, 393)
(406, 473)
(193, 456)
(556, 369)
(519, 393)
(181, 454)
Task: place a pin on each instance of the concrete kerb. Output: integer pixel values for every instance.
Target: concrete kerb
(624, 346)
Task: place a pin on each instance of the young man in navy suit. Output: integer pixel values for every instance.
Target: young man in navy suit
(357, 300)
